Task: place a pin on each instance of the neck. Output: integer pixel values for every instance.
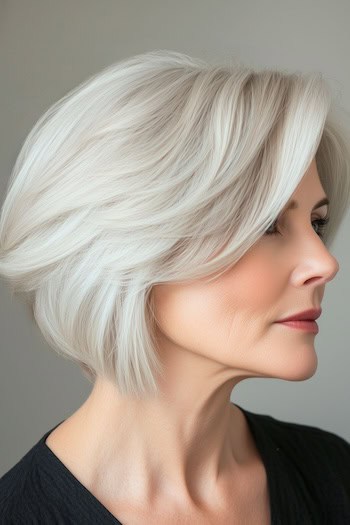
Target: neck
(170, 448)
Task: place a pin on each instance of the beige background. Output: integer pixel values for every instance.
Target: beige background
(46, 48)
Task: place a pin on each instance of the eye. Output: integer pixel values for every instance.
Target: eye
(321, 223)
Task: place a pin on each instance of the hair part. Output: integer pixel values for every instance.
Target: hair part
(139, 175)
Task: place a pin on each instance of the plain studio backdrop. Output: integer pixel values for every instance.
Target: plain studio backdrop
(47, 48)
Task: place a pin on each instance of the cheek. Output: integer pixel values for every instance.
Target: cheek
(256, 290)
(255, 283)
(250, 295)
(240, 305)
(187, 314)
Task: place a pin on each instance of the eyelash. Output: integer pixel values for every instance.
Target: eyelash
(321, 223)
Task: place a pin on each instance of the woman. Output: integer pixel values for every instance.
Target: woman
(161, 220)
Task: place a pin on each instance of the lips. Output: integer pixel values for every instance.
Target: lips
(307, 315)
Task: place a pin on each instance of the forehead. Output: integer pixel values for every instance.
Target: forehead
(309, 191)
(293, 204)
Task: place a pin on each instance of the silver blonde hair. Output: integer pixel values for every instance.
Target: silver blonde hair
(139, 175)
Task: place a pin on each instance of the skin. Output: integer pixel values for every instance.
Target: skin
(191, 445)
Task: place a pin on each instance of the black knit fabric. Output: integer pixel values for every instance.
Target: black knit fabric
(308, 472)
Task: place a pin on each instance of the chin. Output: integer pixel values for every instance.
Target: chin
(305, 370)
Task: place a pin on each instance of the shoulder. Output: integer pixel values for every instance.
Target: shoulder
(310, 447)
(16, 487)
(305, 434)
(310, 464)
(27, 493)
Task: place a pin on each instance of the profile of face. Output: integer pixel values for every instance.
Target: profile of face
(227, 330)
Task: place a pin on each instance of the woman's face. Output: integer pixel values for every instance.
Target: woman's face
(230, 325)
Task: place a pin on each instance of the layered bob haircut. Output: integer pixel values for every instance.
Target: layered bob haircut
(142, 173)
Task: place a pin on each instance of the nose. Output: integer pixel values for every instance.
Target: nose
(324, 266)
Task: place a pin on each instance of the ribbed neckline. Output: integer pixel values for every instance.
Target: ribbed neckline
(269, 452)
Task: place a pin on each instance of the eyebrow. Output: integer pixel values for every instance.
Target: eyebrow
(294, 205)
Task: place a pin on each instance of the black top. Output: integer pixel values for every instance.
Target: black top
(308, 473)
